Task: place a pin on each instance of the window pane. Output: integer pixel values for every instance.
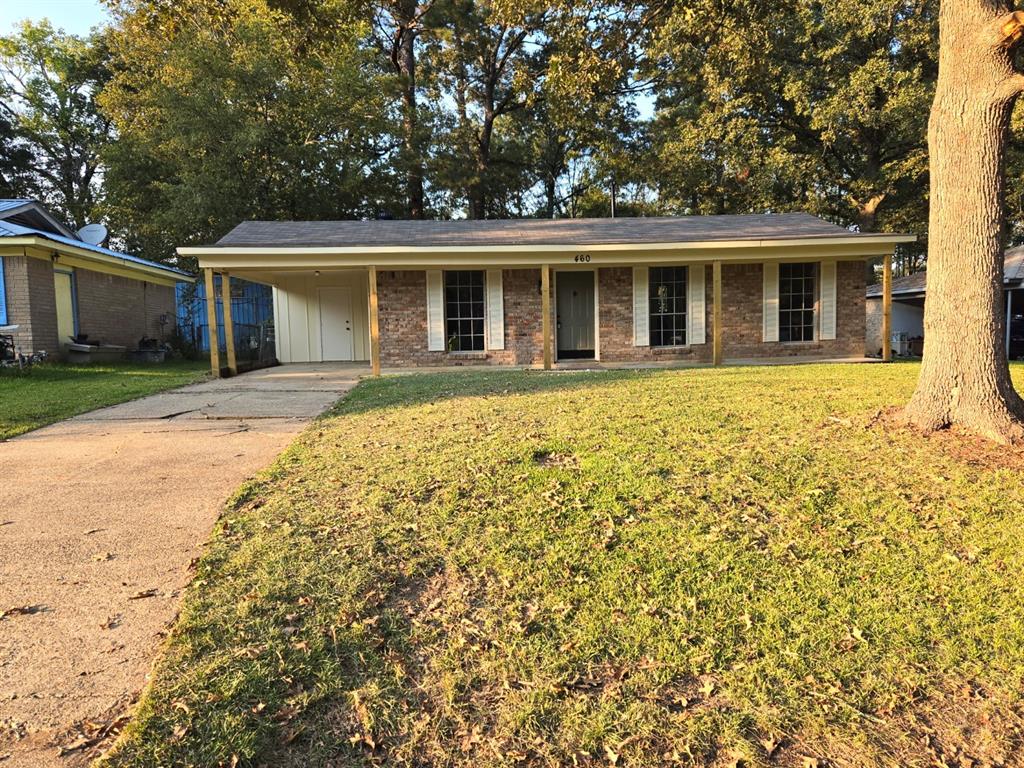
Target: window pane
(667, 305)
(796, 301)
(464, 309)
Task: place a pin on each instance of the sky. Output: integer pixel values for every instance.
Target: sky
(74, 16)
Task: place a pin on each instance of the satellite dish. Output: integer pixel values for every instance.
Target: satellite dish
(93, 234)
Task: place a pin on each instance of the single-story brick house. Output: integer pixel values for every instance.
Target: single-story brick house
(908, 295)
(539, 292)
(54, 285)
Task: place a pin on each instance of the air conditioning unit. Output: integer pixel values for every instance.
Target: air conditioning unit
(900, 343)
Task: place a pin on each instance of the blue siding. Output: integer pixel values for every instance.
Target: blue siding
(252, 308)
(3, 295)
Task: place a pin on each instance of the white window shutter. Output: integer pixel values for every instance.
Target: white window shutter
(828, 300)
(770, 306)
(495, 310)
(641, 314)
(435, 310)
(695, 310)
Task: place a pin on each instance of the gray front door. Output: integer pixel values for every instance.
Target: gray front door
(574, 307)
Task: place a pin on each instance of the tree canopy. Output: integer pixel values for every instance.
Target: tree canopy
(183, 118)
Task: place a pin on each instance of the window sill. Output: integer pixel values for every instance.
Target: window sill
(474, 355)
(806, 344)
(681, 349)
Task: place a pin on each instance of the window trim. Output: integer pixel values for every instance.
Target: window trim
(815, 303)
(484, 336)
(683, 269)
(3, 294)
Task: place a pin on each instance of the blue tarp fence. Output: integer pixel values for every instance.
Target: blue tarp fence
(252, 315)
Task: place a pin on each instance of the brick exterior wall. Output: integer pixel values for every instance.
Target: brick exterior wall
(116, 310)
(615, 322)
(403, 320)
(742, 295)
(119, 310)
(402, 301)
(31, 304)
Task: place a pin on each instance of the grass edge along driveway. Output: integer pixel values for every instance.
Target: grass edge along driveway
(51, 392)
(617, 568)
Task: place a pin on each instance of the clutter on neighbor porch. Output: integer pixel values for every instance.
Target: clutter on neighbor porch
(150, 351)
(82, 351)
(10, 356)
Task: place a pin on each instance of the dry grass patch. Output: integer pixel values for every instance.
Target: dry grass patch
(740, 566)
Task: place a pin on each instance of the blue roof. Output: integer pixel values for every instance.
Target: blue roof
(6, 205)
(9, 229)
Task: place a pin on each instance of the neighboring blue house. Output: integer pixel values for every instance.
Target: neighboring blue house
(252, 312)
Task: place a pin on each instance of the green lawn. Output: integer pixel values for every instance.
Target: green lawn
(47, 393)
(744, 566)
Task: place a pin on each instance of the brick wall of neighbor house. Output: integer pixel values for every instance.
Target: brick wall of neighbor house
(402, 298)
(119, 310)
(403, 320)
(31, 304)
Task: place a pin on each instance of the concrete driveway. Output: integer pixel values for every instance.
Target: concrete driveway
(100, 518)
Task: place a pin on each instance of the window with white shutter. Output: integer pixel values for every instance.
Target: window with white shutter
(495, 310)
(641, 321)
(697, 311)
(435, 310)
(770, 304)
(828, 300)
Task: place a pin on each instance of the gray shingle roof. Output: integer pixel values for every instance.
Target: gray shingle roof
(676, 229)
(1013, 274)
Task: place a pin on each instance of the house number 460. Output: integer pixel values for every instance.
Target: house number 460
(582, 258)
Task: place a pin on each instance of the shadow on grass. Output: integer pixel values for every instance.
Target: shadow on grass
(421, 388)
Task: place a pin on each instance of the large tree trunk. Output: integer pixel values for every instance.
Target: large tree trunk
(404, 59)
(964, 377)
(478, 186)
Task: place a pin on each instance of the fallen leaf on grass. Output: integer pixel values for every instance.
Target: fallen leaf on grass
(91, 531)
(806, 761)
(101, 557)
(21, 610)
(769, 744)
(143, 594)
(80, 743)
(613, 756)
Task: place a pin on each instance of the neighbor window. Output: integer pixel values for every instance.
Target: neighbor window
(796, 301)
(667, 306)
(464, 310)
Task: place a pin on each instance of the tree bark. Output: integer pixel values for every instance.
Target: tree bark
(478, 186)
(404, 59)
(964, 377)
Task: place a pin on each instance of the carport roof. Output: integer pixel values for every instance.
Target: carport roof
(527, 232)
(917, 283)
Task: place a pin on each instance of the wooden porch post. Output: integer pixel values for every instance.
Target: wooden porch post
(229, 325)
(887, 308)
(545, 309)
(211, 321)
(374, 325)
(716, 348)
